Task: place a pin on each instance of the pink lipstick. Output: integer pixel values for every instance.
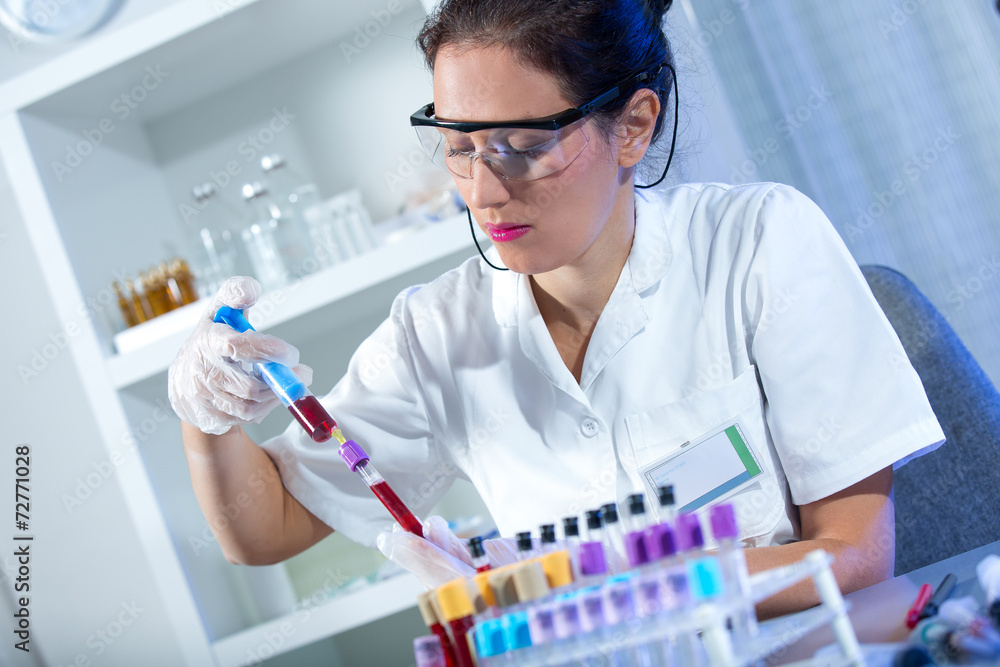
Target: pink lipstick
(503, 232)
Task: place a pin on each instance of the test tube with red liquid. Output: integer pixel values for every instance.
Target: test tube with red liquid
(358, 462)
(318, 423)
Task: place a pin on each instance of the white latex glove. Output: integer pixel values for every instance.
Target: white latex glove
(207, 387)
(440, 556)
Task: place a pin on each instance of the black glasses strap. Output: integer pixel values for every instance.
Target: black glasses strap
(673, 140)
(472, 229)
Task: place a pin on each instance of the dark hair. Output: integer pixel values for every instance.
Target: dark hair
(590, 46)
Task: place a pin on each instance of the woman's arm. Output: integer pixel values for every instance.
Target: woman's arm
(856, 526)
(254, 518)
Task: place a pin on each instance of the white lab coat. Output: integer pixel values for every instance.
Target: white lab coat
(734, 301)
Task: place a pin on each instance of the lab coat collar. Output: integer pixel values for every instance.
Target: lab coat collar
(651, 254)
(648, 260)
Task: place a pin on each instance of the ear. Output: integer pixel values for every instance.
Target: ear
(637, 127)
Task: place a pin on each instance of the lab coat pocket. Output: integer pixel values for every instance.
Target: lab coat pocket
(659, 433)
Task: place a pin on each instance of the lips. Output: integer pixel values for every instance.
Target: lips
(504, 232)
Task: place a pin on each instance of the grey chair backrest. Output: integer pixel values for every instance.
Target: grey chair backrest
(948, 501)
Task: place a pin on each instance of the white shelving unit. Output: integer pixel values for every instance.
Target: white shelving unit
(214, 72)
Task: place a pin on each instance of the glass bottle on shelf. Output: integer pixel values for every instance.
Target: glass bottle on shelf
(260, 238)
(359, 222)
(300, 200)
(140, 305)
(184, 280)
(155, 287)
(217, 253)
(125, 305)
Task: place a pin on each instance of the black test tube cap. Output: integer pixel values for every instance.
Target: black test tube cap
(548, 533)
(524, 542)
(571, 527)
(636, 504)
(609, 513)
(913, 656)
(476, 547)
(594, 519)
(665, 494)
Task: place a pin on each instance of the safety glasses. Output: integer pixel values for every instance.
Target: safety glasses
(521, 150)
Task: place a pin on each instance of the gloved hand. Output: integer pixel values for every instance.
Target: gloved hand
(440, 555)
(206, 384)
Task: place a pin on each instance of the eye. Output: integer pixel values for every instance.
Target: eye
(533, 151)
(532, 146)
(457, 151)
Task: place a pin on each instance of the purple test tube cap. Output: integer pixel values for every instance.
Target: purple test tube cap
(592, 558)
(689, 532)
(352, 454)
(635, 549)
(428, 652)
(723, 519)
(660, 542)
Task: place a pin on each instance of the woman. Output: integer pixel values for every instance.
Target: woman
(629, 323)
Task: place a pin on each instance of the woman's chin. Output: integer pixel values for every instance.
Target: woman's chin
(526, 263)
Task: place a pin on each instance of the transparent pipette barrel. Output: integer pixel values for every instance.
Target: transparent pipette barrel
(295, 396)
(358, 462)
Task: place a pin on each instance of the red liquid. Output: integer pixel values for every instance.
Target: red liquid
(449, 650)
(314, 418)
(397, 509)
(459, 628)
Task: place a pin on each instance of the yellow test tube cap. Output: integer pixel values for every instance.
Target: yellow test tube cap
(482, 581)
(454, 600)
(558, 568)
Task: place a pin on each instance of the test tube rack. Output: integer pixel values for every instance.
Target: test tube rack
(698, 635)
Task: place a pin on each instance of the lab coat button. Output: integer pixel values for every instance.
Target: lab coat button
(589, 428)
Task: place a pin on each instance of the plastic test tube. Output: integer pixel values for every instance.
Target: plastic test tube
(531, 585)
(635, 541)
(614, 536)
(358, 462)
(305, 407)
(480, 560)
(453, 598)
(665, 497)
(571, 535)
(734, 569)
(430, 616)
(525, 547)
(592, 562)
(548, 537)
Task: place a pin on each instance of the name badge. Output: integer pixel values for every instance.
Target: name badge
(709, 469)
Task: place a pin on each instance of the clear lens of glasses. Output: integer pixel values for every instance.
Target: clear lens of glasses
(517, 154)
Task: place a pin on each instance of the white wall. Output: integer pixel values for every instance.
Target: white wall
(86, 563)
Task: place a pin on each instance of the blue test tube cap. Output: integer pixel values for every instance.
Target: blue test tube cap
(490, 638)
(285, 384)
(233, 317)
(705, 576)
(517, 630)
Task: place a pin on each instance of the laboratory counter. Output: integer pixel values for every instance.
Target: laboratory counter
(878, 612)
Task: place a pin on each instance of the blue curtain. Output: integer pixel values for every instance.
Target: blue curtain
(885, 112)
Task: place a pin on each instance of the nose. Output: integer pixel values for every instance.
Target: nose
(488, 188)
